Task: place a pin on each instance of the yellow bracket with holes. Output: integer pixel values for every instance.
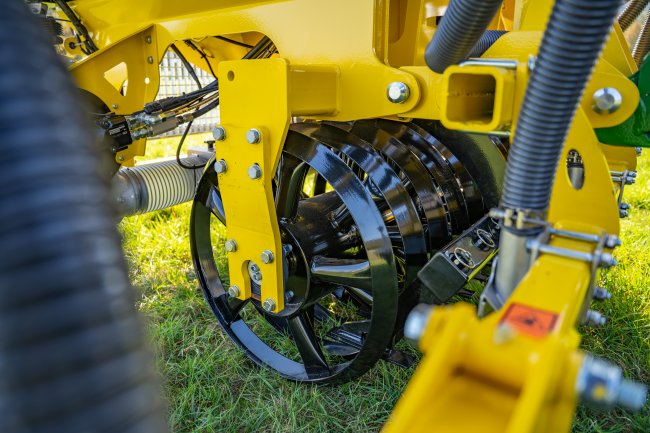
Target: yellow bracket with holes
(254, 95)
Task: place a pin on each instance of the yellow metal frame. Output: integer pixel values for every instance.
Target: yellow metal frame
(336, 60)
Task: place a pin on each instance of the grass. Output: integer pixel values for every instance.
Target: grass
(212, 386)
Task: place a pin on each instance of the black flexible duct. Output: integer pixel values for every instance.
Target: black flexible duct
(486, 41)
(71, 349)
(459, 31)
(572, 43)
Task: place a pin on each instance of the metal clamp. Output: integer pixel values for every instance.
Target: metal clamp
(519, 218)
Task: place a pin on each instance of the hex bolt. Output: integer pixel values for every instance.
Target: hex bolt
(622, 213)
(607, 100)
(289, 295)
(267, 256)
(234, 292)
(416, 321)
(148, 39)
(230, 246)
(613, 241)
(602, 384)
(220, 166)
(150, 60)
(255, 171)
(219, 133)
(398, 92)
(594, 318)
(269, 305)
(253, 136)
(115, 106)
(602, 294)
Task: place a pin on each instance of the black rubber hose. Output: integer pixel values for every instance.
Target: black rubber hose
(486, 41)
(458, 32)
(631, 13)
(72, 357)
(572, 42)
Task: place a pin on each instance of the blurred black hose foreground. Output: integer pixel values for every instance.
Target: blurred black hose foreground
(72, 357)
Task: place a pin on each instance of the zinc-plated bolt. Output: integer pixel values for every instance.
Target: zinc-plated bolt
(398, 92)
(220, 166)
(234, 292)
(230, 246)
(416, 321)
(607, 260)
(148, 39)
(531, 62)
(269, 305)
(602, 384)
(602, 294)
(638, 150)
(267, 256)
(622, 213)
(607, 100)
(121, 158)
(594, 318)
(150, 60)
(255, 171)
(253, 136)
(219, 133)
(115, 106)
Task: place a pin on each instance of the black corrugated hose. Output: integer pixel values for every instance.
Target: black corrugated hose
(572, 42)
(486, 41)
(459, 30)
(72, 357)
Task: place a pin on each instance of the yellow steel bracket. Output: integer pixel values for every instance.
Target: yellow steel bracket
(254, 94)
(132, 61)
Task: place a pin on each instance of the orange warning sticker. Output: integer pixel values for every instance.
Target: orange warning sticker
(530, 321)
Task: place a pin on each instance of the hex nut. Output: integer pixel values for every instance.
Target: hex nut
(220, 166)
(219, 133)
(234, 292)
(255, 171)
(269, 305)
(267, 256)
(230, 246)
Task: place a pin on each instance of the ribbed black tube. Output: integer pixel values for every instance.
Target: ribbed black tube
(460, 29)
(486, 41)
(631, 13)
(71, 349)
(572, 43)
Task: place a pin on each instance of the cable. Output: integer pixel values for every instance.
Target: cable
(180, 145)
(188, 65)
(204, 56)
(232, 41)
(76, 22)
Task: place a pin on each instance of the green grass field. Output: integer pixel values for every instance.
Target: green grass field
(211, 386)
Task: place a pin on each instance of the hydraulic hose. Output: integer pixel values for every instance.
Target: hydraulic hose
(572, 42)
(459, 30)
(631, 13)
(486, 41)
(72, 357)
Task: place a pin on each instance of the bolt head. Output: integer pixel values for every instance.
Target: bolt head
(607, 100)
(219, 133)
(220, 166)
(150, 60)
(115, 106)
(253, 136)
(267, 256)
(234, 292)
(269, 305)
(398, 92)
(595, 318)
(254, 272)
(254, 171)
(230, 246)
(148, 39)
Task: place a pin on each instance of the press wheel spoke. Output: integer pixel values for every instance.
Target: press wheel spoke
(302, 331)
